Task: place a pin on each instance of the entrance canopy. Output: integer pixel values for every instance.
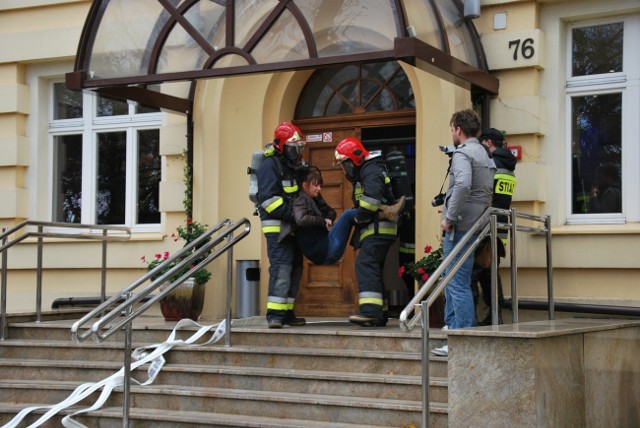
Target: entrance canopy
(128, 46)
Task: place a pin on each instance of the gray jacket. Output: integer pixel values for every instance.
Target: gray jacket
(470, 185)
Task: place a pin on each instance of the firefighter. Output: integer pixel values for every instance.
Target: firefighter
(371, 188)
(277, 187)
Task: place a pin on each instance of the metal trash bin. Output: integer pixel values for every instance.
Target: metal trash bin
(248, 288)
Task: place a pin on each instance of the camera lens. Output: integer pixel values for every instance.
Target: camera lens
(438, 200)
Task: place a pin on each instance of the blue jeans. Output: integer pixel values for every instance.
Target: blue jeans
(338, 237)
(459, 310)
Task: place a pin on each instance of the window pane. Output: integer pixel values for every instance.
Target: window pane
(67, 104)
(112, 167)
(597, 153)
(597, 49)
(148, 176)
(112, 107)
(146, 109)
(67, 192)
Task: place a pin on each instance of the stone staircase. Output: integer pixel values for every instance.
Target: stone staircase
(326, 374)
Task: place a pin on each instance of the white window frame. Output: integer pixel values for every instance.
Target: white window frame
(626, 83)
(90, 125)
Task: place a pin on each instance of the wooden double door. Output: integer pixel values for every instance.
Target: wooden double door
(331, 291)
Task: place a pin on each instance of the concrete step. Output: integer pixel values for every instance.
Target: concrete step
(329, 335)
(111, 417)
(269, 404)
(240, 377)
(406, 363)
(327, 374)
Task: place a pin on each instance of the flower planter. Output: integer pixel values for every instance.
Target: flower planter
(185, 301)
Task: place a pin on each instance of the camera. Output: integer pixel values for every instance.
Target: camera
(447, 150)
(438, 200)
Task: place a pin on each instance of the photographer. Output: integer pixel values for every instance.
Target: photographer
(468, 196)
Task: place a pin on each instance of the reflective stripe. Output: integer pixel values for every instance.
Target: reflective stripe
(289, 186)
(407, 248)
(357, 191)
(505, 184)
(384, 228)
(271, 226)
(272, 204)
(370, 204)
(370, 301)
(387, 180)
(277, 306)
(371, 298)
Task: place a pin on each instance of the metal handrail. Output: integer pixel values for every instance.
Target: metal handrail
(203, 247)
(108, 233)
(486, 225)
(204, 244)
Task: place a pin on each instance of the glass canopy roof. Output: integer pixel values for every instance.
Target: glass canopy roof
(142, 42)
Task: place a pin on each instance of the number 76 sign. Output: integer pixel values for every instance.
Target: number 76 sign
(515, 49)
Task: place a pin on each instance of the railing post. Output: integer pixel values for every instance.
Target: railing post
(39, 277)
(424, 309)
(103, 273)
(3, 291)
(552, 308)
(126, 402)
(514, 267)
(227, 333)
(493, 234)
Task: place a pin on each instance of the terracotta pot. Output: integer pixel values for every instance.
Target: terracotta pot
(185, 301)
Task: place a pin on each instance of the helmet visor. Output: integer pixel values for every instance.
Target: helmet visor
(349, 168)
(293, 150)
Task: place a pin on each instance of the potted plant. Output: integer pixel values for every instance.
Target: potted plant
(421, 270)
(187, 299)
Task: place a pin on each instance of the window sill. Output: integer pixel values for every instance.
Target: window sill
(597, 229)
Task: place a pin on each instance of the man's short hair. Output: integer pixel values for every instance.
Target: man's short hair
(467, 120)
(496, 137)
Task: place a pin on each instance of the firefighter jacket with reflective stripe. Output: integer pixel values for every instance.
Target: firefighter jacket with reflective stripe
(504, 184)
(372, 189)
(277, 187)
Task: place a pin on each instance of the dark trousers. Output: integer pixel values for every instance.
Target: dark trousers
(369, 267)
(285, 272)
(482, 276)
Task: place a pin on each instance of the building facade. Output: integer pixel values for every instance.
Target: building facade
(568, 99)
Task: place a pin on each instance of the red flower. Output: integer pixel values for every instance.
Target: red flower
(143, 258)
(401, 271)
(158, 256)
(166, 255)
(189, 220)
(427, 249)
(421, 270)
(425, 276)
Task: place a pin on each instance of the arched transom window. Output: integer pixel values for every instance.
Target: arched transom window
(356, 88)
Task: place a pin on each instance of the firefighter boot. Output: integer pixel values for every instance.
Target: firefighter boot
(392, 212)
(291, 319)
(275, 318)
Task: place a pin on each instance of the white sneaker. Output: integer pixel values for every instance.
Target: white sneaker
(441, 352)
(445, 328)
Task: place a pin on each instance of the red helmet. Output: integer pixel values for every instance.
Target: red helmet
(285, 133)
(350, 149)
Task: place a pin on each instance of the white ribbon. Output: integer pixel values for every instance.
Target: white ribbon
(152, 354)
